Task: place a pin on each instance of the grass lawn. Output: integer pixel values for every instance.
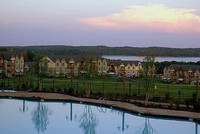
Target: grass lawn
(104, 85)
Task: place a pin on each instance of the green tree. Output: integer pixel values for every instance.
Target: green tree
(147, 73)
(3, 48)
(88, 72)
(30, 56)
(40, 68)
(90, 68)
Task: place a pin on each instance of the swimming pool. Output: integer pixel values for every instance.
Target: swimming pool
(11, 90)
(32, 117)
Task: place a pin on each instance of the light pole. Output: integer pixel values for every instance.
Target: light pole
(197, 88)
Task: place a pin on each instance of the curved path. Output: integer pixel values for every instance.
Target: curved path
(114, 104)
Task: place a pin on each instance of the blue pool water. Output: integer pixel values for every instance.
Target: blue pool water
(34, 117)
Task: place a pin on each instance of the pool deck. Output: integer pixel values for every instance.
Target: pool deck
(164, 113)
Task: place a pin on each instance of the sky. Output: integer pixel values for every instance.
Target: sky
(136, 23)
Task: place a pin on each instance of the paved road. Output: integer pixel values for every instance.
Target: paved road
(126, 79)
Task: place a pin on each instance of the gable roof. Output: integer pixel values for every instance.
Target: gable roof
(119, 62)
(7, 55)
(185, 67)
(30, 64)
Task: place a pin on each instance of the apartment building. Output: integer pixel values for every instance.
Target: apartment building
(11, 65)
(181, 73)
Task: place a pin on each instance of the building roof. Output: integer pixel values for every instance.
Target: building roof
(76, 58)
(119, 62)
(7, 55)
(30, 64)
(185, 67)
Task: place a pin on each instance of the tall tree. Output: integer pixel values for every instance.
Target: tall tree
(147, 73)
(40, 68)
(30, 56)
(25, 56)
(89, 70)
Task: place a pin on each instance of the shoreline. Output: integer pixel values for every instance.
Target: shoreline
(145, 56)
(128, 107)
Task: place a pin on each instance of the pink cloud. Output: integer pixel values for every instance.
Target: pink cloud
(158, 18)
(5, 23)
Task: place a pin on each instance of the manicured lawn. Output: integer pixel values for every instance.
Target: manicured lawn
(103, 85)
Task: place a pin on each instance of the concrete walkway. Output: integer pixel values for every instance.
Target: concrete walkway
(114, 104)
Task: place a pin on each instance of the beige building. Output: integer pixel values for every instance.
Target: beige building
(102, 66)
(61, 66)
(181, 73)
(129, 68)
(11, 65)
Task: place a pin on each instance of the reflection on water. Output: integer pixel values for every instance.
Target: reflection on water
(88, 121)
(146, 128)
(27, 117)
(40, 117)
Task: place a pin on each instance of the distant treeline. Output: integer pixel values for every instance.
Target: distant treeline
(104, 50)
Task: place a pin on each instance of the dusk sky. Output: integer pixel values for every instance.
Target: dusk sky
(136, 23)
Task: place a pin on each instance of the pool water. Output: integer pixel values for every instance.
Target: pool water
(34, 117)
(10, 90)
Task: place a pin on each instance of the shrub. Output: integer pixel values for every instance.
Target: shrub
(70, 91)
(167, 95)
(171, 104)
(177, 102)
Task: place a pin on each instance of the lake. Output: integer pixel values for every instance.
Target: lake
(159, 59)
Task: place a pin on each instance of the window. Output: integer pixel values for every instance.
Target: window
(63, 64)
(57, 64)
(104, 63)
(128, 67)
(99, 63)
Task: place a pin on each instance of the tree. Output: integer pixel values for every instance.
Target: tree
(147, 73)
(25, 56)
(40, 68)
(30, 56)
(3, 49)
(89, 70)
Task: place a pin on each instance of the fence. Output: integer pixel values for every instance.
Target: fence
(102, 87)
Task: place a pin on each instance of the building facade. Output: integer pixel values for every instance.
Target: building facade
(11, 65)
(181, 73)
